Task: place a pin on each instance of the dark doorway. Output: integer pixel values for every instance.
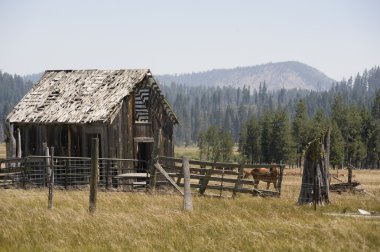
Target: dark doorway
(144, 152)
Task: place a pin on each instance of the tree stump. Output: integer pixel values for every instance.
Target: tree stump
(315, 179)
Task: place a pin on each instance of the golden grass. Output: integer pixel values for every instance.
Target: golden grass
(156, 222)
(191, 152)
(2, 150)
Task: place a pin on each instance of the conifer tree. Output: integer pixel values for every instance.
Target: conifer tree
(337, 146)
(280, 143)
(251, 147)
(266, 138)
(299, 130)
(215, 144)
(376, 132)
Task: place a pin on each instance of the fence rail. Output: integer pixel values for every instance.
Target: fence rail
(219, 177)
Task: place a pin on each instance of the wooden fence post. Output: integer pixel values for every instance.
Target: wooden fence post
(206, 179)
(279, 181)
(51, 180)
(187, 198)
(238, 181)
(47, 165)
(94, 173)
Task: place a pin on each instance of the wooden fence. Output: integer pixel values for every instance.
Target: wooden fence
(218, 178)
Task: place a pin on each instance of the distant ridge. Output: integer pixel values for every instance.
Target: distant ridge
(290, 74)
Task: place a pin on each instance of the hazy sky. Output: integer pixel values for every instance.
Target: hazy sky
(340, 38)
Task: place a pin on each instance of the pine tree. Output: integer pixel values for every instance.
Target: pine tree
(226, 145)
(215, 144)
(376, 132)
(337, 146)
(242, 139)
(317, 125)
(339, 112)
(376, 107)
(266, 138)
(280, 140)
(202, 145)
(251, 147)
(299, 130)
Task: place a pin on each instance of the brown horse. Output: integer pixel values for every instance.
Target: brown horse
(247, 172)
(266, 175)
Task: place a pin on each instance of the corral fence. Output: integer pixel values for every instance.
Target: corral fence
(217, 178)
(72, 172)
(208, 178)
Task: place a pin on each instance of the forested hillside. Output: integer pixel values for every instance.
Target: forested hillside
(12, 89)
(290, 74)
(268, 125)
(348, 106)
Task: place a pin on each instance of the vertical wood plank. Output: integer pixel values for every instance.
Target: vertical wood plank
(68, 141)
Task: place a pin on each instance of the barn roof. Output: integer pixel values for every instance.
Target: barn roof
(80, 96)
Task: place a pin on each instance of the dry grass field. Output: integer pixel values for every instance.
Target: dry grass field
(191, 152)
(156, 222)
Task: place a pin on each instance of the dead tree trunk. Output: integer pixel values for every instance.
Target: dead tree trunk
(315, 179)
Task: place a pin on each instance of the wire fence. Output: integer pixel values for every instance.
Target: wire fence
(32, 171)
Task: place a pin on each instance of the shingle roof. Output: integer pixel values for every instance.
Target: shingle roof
(77, 96)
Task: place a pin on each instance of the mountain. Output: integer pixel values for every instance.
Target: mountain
(290, 74)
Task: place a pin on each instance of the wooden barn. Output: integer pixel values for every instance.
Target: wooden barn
(125, 109)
